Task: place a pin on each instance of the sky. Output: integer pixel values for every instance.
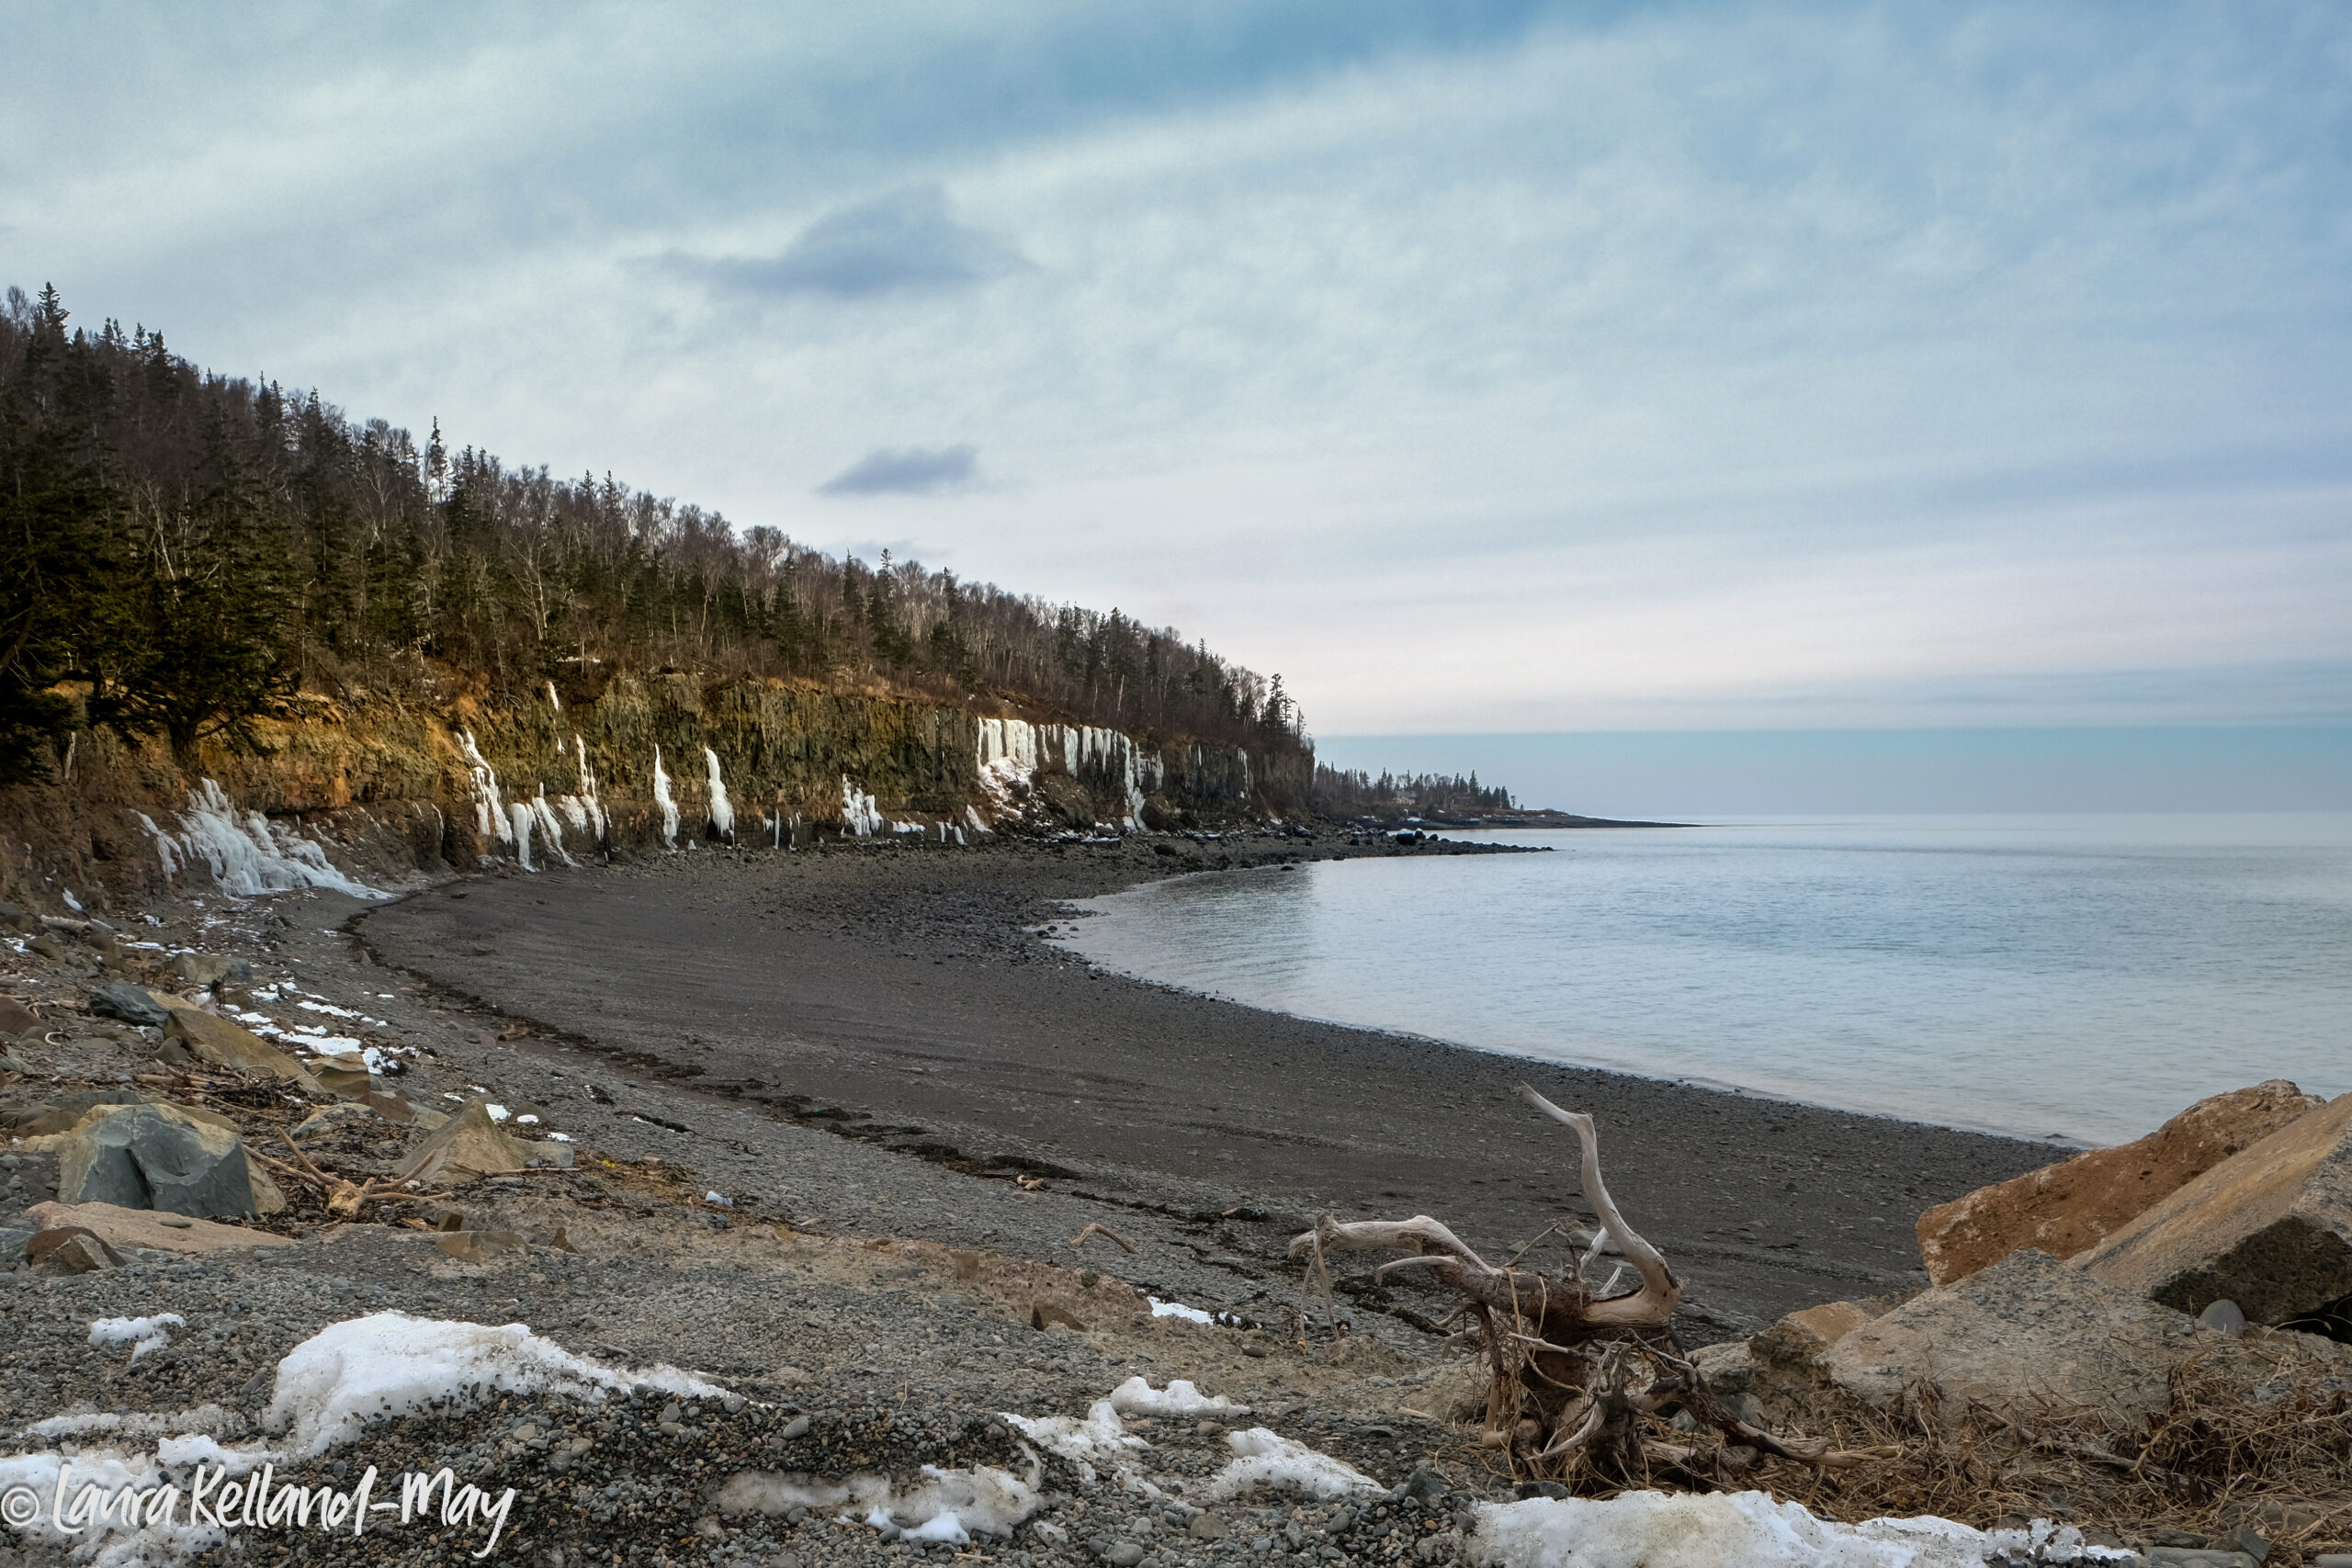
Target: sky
(1486, 369)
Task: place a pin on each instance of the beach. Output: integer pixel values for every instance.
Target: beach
(906, 998)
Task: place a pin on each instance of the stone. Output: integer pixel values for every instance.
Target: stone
(2245, 1538)
(16, 1018)
(471, 1143)
(1800, 1338)
(218, 1042)
(147, 1228)
(2069, 1207)
(208, 969)
(2271, 1228)
(158, 1157)
(480, 1247)
(328, 1118)
(1045, 1314)
(1124, 1554)
(1208, 1526)
(2025, 1329)
(345, 1077)
(70, 1249)
(120, 999)
(549, 1153)
(63, 1113)
(2223, 1317)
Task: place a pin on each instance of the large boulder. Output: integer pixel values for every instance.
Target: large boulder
(2269, 1228)
(214, 1039)
(2072, 1206)
(472, 1144)
(2027, 1330)
(147, 1229)
(160, 1157)
(120, 999)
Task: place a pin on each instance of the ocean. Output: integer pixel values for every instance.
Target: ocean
(2081, 977)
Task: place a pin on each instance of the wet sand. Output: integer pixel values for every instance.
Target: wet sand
(902, 993)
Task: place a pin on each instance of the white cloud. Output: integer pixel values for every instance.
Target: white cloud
(1753, 359)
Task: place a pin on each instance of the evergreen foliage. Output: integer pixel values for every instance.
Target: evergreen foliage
(1358, 794)
(179, 548)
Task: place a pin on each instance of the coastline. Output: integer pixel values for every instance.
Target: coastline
(905, 997)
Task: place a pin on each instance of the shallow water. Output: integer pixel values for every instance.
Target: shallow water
(2081, 976)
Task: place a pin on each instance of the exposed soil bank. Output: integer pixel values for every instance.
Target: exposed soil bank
(902, 993)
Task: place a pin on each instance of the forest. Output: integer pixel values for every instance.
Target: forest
(1340, 792)
(179, 550)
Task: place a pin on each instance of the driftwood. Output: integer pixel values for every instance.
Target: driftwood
(1574, 1367)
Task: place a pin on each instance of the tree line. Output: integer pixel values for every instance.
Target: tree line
(179, 550)
(1357, 794)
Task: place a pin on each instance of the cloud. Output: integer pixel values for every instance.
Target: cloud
(907, 240)
(906, 471)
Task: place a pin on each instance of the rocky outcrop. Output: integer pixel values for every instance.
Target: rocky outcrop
(2072, 1206)
(348, 794)
(2269, 1228)
(2028, 1329)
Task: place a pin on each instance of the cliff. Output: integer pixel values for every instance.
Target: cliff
(377, 791)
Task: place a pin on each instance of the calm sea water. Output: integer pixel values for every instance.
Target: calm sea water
(2078, 976)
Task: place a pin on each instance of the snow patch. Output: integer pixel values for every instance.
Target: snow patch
(1094, 1442)
(1744, 1530)
(1265, 1458)
(1178, 1309)
(141, 1333)
(1138, 1397)
(389, 1363)
(950, 1505)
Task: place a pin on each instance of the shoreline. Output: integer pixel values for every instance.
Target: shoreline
(2064, 1144)
(906, 998)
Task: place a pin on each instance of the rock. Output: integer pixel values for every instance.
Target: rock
(549, 1152)
(225, 1045)
(2224, 1316)
(146, 1228)
(2245, 1538)
(345, 1077)
(120, 999)
(1800, 1338)
(62, 1113)
(1207, 1527)
(1124, 1554)
(2197, 1557)
(2025, 1329)
(2269, 1228)
(1045, 1314)
(16, 1018)
(328, 1118)
(2069, 1207)
(159, 1157)
(479, 1246)
(208, 969)
(471, 1144)
(70, 1249)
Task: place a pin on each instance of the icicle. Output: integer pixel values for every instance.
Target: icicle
(553, 701)
(588, 800)
(722, 810)
(663, 798)
(859, 812)
(490, 810)
(246, 855)
(522, 834)
(550, 829)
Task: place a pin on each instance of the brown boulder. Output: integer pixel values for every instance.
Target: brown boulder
(2270, 1229)
(2026, 1330)
(2069, 1207)
(225, 1045)
(147, 1228)
(471, 1143)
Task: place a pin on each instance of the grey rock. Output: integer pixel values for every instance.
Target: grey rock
(1124, 1554)
(12, 1246)
(2028, 1327)
(158, 1157)
(2224, 1316)
(2245, 1538)
(119, 999)
(2197, 1557)
(208, 969)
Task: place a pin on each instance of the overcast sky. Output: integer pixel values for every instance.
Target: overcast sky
(1492, 369)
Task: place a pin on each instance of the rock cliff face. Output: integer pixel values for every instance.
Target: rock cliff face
(377, 789)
